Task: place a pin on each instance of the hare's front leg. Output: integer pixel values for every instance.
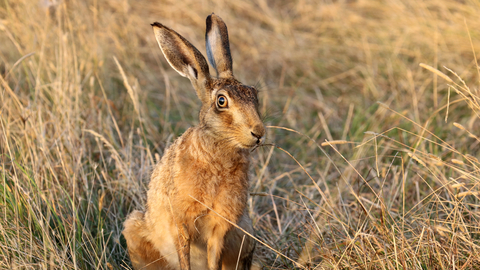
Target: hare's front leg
(215, 242)
(182, 243)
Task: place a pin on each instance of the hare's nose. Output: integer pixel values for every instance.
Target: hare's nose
(256, 135)
(258, 132)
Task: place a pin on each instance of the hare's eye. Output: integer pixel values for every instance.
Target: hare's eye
(222, 101)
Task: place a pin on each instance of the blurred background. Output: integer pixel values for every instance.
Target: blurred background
(375, 164)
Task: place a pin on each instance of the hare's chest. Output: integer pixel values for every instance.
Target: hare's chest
(214, 185)
(206, 187)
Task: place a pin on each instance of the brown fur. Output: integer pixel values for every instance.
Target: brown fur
(208, 164)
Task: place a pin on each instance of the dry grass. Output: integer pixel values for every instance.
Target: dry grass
(87, 104)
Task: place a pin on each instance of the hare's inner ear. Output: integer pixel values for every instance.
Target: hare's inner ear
(218, 46)
(184, 58)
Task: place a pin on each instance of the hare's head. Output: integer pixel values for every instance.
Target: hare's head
(229, 109)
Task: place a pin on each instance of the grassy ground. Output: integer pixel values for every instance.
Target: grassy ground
(88, 103)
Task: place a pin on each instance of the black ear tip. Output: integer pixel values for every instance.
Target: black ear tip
(212, 19)
(157, 24)
(212, 16)
(209, 23)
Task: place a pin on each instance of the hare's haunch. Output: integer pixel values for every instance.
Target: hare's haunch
(205, 169)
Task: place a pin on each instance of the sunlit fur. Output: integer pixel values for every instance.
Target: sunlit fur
(203, 170)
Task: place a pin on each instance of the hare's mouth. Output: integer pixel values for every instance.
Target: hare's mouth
(249, 146)
(252, 146)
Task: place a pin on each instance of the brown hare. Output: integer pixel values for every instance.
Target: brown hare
(203, 170)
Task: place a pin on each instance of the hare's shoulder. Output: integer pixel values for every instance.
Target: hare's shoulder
(162, 178)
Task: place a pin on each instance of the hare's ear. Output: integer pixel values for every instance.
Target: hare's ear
(218, 47)
(184, 58)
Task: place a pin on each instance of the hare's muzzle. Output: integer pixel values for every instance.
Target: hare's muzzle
(258, 132)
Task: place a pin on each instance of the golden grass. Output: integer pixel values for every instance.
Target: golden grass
(88, 105)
